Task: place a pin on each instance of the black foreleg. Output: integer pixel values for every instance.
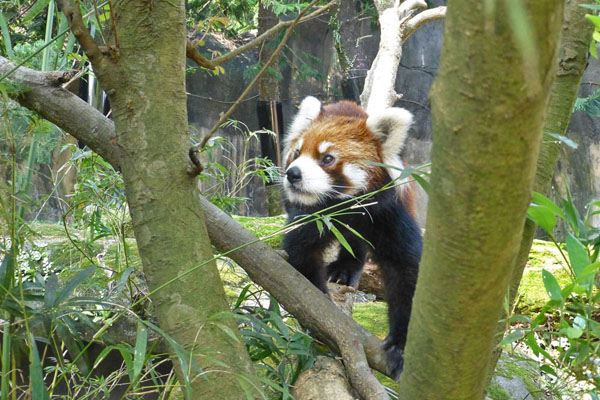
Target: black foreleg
(398, 253)
(400, 282)
(304, 251)
(347, 268)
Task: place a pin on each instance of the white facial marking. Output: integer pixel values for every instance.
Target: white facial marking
(323, 146)
(299, 145)
(356, 175)
(313, 186)
(310, 108)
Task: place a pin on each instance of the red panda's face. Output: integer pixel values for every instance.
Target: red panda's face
(330, 160)
(330, 150)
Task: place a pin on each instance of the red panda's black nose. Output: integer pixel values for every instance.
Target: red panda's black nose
(294, 175)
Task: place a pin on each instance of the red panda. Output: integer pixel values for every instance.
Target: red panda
(334, 154)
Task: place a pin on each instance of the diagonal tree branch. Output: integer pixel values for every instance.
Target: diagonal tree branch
(193, 53)
(73, 14)
(263, 264)
(42, 93)
(414, 23)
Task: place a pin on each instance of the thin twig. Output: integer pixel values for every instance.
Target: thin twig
(78, 28)
(114, 21)
(198, 167)
(193, 54)
(97, 14)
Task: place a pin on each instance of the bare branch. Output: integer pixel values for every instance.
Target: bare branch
(272, 32)
(193, 54)
(409, 6)
(197, 168)
(78, 28)
(414, 23)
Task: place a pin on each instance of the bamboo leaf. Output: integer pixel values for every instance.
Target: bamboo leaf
(50, 292)
(73, 283)
(512, 337)
(6, 36)
(36, 374)
(37, 8)
(139, 352)
(341, 239)
(563, 139)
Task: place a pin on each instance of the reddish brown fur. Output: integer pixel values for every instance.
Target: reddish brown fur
(345, 107)
(344, 125)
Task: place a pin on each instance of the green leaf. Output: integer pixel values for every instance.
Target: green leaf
(421, 181)
(319, 227)
(578, 254)
(512, 337)
(544, 201)
(139, 352)
(37, 8)
(519, 318)
(591, 6)
(123, 280)
(356, 233)
(50, 292)
(73, 283)
(6, 36)
(594, 19)
(579, 322)
(542, 216)
(573, 333)
(548, 370)
(36, 375)
(551, 285)
(341, 239)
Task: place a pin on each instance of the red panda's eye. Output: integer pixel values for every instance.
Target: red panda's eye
(296, 153)
(327, 159)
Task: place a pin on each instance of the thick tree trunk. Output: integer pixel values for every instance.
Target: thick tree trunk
(487, 112)
(144, 75)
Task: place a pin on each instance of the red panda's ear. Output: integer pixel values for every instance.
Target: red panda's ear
(390, 126)
(310, 108)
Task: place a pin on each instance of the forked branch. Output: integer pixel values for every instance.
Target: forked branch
(194, 54)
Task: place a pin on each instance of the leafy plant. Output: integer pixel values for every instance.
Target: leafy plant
(224, 180)
(279, 349)
(565, 334)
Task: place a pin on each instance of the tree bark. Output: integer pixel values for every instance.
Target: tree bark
(144, 76)
(487, 119)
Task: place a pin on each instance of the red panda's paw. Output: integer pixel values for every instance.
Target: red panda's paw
(344, 276)
(394, 358)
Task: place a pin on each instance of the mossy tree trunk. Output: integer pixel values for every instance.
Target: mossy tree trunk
(488, 104)
(144, 77)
